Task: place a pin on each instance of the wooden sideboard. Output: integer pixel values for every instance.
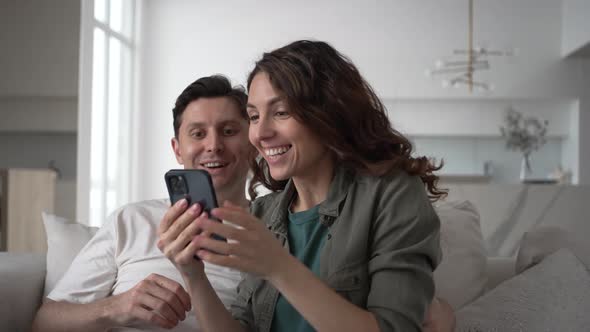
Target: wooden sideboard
(24, 194)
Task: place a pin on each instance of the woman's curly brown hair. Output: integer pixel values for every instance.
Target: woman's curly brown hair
(326, 92)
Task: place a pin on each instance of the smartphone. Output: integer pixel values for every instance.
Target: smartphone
(195, 186)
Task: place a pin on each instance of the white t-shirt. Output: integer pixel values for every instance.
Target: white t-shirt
(123, 253)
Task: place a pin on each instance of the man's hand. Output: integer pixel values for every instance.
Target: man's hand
(156, 299)
(439, 317)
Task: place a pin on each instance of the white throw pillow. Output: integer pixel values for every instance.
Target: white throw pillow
(551, 296)
(461, 277)
(545, 240)
(64, 240)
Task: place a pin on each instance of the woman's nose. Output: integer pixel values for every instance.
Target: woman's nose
(263, 129)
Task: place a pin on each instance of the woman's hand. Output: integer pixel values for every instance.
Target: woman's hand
(439, 317)
(251, 247)
(177, 241)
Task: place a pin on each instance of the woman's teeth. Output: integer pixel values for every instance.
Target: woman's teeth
(277, 151)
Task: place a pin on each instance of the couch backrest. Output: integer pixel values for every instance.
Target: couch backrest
(507, 211)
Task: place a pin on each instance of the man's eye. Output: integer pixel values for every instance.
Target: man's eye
(253, 117)
(197, 134)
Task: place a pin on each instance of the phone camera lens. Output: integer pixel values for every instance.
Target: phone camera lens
(178, 185)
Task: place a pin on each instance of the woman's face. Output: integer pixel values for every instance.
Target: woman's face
(289, 147)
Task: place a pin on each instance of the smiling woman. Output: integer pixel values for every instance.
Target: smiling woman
(348, 239)
(290, 149)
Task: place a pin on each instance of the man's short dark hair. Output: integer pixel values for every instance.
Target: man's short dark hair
(208, 87)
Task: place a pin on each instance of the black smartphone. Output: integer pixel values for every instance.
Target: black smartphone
(195, 186)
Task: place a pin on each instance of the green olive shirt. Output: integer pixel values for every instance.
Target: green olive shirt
(380, 251)
(306, 236)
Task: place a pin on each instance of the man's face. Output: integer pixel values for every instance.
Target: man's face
(213, 136)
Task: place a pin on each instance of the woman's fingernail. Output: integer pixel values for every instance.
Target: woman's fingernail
(182, 203)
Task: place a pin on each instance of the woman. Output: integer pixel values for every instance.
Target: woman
(358, 238)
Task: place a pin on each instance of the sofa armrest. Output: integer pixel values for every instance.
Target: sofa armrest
(499, 269)
(22, 278)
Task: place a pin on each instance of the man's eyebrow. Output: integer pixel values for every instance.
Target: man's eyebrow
(191, 125)
(273, 101)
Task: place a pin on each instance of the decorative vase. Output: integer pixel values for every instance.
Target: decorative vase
(525, 167)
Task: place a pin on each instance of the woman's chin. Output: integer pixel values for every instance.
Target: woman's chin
(279, 175)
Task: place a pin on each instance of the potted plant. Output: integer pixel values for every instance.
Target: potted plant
(525, 135)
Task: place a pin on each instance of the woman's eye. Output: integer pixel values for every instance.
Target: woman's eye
(282, 114)
(229, 131)
(253, 117)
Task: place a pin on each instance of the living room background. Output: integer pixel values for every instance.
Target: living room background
(392, 42)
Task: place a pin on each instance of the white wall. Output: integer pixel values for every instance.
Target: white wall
(39, 41)
(576, 25)
(474, 117)
(38, 90)
(392, 43)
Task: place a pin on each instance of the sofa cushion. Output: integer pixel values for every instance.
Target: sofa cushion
(461, 277)
(551, 296)
(64, 240)
(545, 240)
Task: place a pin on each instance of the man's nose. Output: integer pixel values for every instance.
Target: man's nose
(214, 143)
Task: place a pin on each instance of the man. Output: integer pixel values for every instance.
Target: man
(120, 279)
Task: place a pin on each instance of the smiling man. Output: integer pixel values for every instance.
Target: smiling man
(120, 280)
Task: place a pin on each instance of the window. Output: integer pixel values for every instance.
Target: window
(105, 108)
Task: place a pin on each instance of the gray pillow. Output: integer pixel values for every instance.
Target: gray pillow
(461, 276)
(545, 240)
(551, 296)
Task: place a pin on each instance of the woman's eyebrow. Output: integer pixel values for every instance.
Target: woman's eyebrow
(271, 102)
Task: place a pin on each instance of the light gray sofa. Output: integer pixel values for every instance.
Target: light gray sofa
(506, 213)
(22, 279)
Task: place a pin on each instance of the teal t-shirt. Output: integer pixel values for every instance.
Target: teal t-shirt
(306, 238)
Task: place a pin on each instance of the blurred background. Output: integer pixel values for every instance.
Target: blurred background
(87, 87)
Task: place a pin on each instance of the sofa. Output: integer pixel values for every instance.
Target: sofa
(22, 278)
(477, 284)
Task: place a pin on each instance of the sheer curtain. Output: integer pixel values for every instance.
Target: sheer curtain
(106, 107)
